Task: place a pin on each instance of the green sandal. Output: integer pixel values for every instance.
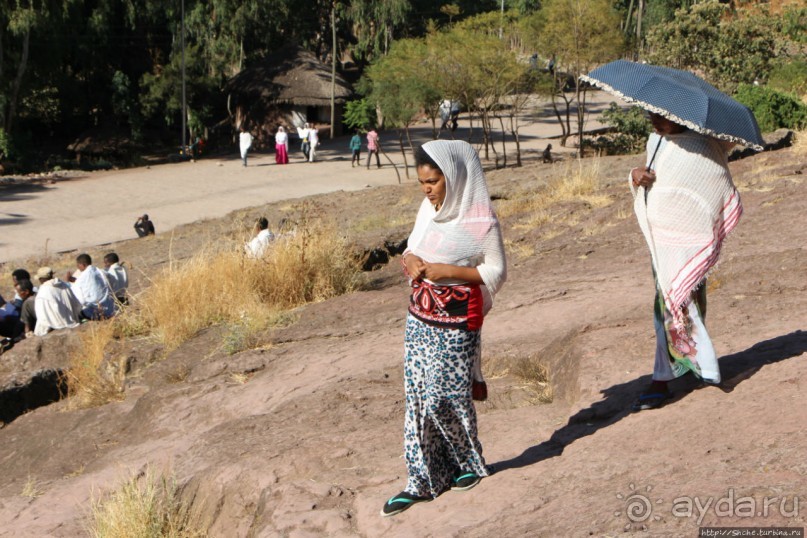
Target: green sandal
(401, 502)
(465, 482)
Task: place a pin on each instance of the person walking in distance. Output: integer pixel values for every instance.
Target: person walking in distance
(313, 140)
(244, 143)
(355, 148)
(372, 148)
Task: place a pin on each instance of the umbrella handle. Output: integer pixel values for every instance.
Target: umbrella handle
(653, 158)
(650, 166)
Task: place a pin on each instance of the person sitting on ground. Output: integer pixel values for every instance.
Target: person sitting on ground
(92, 290)
(10, 326)
(143, 226)
(546, 156)
(117, 277)
(16, 276)
(286, 229)
(25, 290)
(55, 306)
(263, 237)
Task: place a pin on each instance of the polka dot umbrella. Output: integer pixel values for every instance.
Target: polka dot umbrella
(681, 97)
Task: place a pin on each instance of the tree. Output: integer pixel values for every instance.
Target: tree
(375, 23)
(728, 48)
(581, 34)
(401, 85)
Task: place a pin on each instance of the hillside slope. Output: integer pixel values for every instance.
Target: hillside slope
(304, 437)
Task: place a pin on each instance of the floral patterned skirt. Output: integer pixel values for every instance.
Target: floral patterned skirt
(678, 353)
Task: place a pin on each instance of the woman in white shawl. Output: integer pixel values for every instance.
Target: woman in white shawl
(455, 263)
(686, 204)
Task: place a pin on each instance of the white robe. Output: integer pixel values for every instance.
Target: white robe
(56, 307)
(92, 289)
(118, 279)
(257, 247)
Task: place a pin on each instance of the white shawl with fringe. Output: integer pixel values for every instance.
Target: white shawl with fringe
(687, 213)
(465, 231)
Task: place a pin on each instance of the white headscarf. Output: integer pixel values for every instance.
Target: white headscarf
(461, 231)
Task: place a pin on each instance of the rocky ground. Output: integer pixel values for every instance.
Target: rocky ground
(303, 436)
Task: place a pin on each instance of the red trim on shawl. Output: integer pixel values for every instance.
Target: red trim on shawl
(695, 275)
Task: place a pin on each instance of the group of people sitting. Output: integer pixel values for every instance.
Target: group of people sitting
(89, 293)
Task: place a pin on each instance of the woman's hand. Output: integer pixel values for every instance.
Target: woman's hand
(438, 271)
(415, 266)
(641, 177)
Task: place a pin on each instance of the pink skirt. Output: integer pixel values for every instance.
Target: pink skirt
(281, 155)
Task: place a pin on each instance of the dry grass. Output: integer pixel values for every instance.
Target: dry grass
(31, 488)
(579, 180)
(530, 370)
(800, 144)
(576, 181)
(214, 287)
(379, 222)
(92, 380)
(226, 287)
(144, 506)
(519, 248)
(239, 378)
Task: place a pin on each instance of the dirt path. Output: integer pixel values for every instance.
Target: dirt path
(102, 207)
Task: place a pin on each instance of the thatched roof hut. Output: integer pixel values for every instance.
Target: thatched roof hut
(290, 86)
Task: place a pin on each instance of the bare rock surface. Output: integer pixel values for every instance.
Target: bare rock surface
(304, 437)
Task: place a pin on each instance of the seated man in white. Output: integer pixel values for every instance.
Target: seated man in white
(56, 306)
(92, 289)
(117, 276)
(263, 237)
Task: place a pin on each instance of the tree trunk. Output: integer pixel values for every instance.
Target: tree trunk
(514, 132)
(2, 106)
(568, 116)
(333, 67)
(15, 88)
(403, 149)
(581, 116)
(628, 18)
(639, 16)
(409, 141)
(563, 133)
(486, 133)
(504, 142)
(394, 166)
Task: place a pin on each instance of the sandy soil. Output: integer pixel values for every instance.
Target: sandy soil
(303, 437)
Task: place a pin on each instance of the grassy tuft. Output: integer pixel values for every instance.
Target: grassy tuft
(91, 380)
(31, 488)
(145, 506)
(226, 287)
(530, 370)
(577, 181)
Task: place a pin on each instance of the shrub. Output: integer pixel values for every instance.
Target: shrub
(145, 506)
(790, 77)
(772, 109)
(631, 131)
(359, 114)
